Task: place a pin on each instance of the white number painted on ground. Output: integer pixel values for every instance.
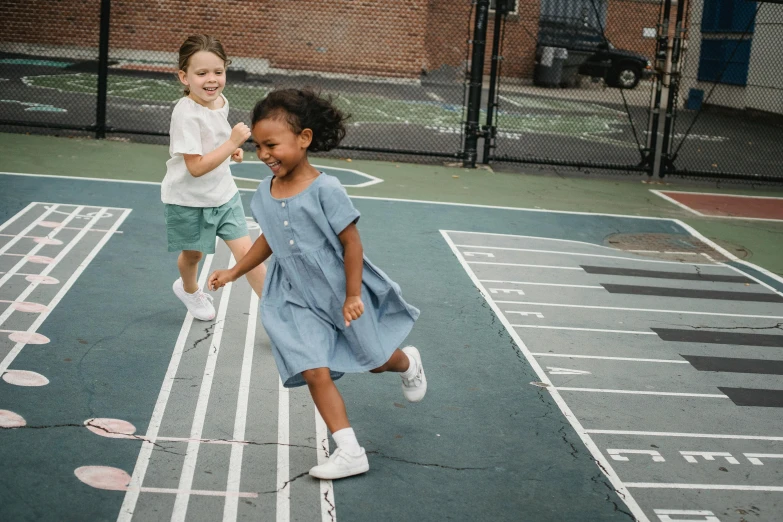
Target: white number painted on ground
(471, 254)
(755, 458)
(617, 454)
(665, 515)
(537, 314)
(506, 291)
(690, 456)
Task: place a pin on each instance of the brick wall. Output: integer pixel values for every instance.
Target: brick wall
(374, 37)
(625, 21)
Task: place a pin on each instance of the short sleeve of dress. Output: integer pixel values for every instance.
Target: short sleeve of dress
(185, 132)
(338, 208)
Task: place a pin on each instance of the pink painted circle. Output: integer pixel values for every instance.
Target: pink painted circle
(24, 378)
(47, 241)
(41, 260)
(111, 428)
(26, 306)
(42, 279)
(9, 419)
(28, 338)
(50, 224)
(103, 477)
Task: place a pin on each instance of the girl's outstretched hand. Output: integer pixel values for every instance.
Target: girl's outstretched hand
(219, 279)
(238, 155)
(352, 309)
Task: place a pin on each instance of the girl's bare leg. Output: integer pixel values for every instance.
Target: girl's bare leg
(255, 277)
(187, 262)
(327, 398)
(398, 362)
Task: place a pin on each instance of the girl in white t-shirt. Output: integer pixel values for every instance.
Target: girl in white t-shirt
(201, 199)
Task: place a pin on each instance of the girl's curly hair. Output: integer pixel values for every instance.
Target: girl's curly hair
(305, 109)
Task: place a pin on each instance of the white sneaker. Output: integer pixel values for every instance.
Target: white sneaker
(415, 388)
(341, 465)
(199, 304)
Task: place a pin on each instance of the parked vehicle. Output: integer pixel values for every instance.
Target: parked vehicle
(592, 54)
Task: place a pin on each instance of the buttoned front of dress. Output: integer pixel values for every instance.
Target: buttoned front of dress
(304, 291)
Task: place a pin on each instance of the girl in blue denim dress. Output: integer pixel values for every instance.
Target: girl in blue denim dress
(326, 308)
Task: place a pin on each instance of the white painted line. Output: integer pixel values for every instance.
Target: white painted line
(252, 180)
(328, 513)
(17, 215)
(231, 505)
(634, 259)
(84, 178)
(674, 201)
(685, 435)
(173, 491)
(31, 226)
(283, 510)
(180, 509)
(528, 266)
(604, 464)
(538, 284)
(643, 392)
(724, 195)
(142, 462)
(607, 358)
(637, 332)
(645, 310)
(720, 487)
(68, 284)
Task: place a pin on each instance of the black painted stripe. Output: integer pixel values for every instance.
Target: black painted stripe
(734, 365)
(692, 293)
(657, 274)
(713, 337)
(754, 397)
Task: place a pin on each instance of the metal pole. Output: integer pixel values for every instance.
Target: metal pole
(662, 95)
(492, 102)
(475, 85)
(103, 70)
(674, 88)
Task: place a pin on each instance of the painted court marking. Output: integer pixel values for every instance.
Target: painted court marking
(726, 206)
(371, 180)
(529, 307)
(30, 335)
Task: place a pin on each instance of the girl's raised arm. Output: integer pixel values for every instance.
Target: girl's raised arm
(199, 165)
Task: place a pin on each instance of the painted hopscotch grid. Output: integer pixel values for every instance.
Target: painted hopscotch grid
(44, 248)
(225, 440)
(667, 370)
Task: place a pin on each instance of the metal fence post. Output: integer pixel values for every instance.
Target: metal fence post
(501, 10)
(103, 70)
(476, 80)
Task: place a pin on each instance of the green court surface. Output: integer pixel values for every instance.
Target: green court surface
(557, 391)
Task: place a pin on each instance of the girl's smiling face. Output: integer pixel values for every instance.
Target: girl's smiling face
(277, 145)
(205, 77)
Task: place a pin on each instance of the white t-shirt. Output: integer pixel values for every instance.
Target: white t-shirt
(196, 129)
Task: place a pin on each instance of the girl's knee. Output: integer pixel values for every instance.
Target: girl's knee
(317, 376)
(193, 256)
(380, 369)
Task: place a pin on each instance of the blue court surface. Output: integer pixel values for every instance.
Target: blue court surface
(581, 367)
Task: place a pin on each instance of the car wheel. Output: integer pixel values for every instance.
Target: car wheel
(626, 77)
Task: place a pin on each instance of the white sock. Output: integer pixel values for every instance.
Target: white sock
(346, 439)
(410, 373)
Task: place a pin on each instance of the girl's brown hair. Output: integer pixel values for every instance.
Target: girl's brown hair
(196, 43)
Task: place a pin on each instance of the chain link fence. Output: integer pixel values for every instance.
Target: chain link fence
(574, 80)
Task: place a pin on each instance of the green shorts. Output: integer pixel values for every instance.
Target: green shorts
(195, 228)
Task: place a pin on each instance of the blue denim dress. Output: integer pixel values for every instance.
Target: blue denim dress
(304, 291)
